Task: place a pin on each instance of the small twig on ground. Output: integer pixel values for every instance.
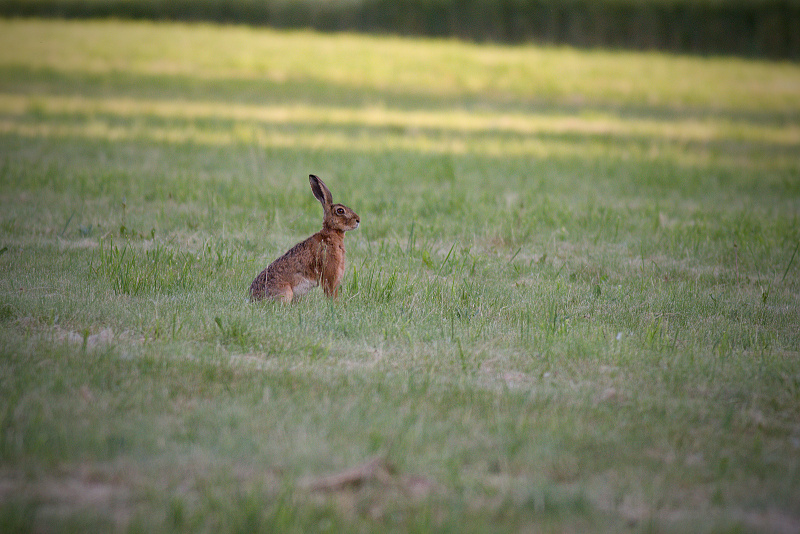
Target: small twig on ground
(376, 468)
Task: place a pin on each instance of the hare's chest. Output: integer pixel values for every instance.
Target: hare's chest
(340, 271)
(336, 263)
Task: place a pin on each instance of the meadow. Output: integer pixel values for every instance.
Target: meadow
(573, 303)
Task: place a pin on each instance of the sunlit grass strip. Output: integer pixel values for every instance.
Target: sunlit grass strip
(366, 141)
(401, 66)
(691, 142)
(451, 120)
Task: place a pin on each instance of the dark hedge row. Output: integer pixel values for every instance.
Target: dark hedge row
(754, 28)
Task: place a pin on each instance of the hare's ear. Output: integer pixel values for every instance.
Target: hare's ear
(320, 190)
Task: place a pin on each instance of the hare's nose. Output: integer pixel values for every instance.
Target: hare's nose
(358, 219)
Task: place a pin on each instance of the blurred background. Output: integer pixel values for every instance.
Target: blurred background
(748, 28)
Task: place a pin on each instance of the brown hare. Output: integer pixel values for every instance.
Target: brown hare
(317, 260)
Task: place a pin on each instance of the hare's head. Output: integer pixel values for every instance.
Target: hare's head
(335, 216)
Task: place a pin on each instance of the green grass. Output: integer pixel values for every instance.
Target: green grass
(572, 304)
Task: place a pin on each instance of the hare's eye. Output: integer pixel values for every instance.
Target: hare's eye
(340, 211)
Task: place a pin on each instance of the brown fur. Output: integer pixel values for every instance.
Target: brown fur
(319, 260)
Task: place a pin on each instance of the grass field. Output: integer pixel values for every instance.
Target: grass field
(573, 303)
